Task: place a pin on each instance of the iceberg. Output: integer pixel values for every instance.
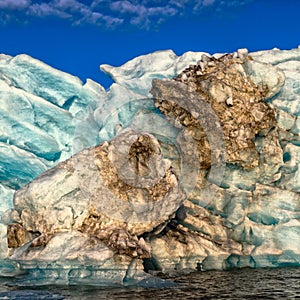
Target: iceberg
(223, 127)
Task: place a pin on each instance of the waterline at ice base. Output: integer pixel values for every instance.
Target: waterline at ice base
(186, 163)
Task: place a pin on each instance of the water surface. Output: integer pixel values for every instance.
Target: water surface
(281, 283)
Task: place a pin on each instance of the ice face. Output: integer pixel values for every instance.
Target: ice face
(36, 78)
(43, 113)
(253, 220)
(137, 74)
(288, 62)
(41, 108)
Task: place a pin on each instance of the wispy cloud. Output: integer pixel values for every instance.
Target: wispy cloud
(142, 14)
(44, 10)
(109, 13)
(14, 4)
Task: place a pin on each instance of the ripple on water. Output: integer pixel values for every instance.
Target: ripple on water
(282, 283)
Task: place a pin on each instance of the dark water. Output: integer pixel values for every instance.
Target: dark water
(283, 283)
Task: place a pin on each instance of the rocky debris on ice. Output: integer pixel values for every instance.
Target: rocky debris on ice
(240, 223)
(239, 103)
(106, 196)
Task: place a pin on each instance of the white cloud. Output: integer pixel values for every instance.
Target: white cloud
(124, 7)
(110, 13)
(143, 15)
(44, 10)
(14, 4)
(163, 11)
(112, 22)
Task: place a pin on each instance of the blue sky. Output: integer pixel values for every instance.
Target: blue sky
(77, 36)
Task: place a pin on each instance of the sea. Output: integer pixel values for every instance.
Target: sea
(238, 284)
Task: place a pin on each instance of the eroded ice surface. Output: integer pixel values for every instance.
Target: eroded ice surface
(47, 115)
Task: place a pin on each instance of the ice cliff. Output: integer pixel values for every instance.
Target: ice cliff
(197, 166)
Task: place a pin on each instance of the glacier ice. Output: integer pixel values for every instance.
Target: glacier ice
(137, 74)
(41, 109)
(253, 217)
